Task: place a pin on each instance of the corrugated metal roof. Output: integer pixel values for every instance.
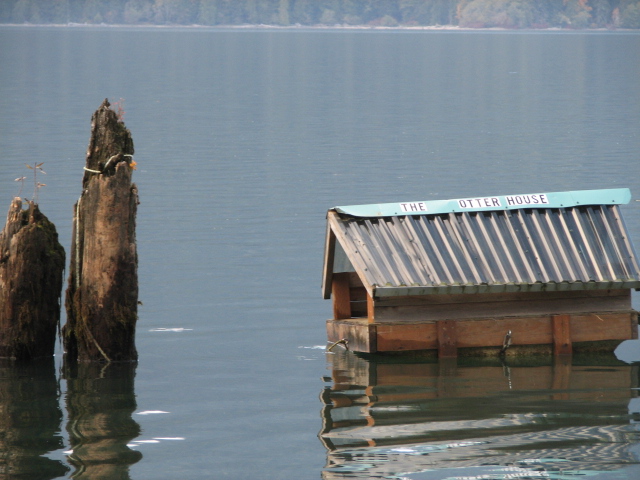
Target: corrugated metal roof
(526, 249)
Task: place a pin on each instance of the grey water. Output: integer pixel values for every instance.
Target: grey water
(244, 138)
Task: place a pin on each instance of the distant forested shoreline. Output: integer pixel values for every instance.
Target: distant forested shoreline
(513, 14)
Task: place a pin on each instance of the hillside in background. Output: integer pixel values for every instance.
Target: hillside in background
(577, 14)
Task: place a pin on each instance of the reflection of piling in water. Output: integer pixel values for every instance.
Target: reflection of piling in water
(384, 417)
(31, 266)
(102, 295)
(100, 402)
(30, 420)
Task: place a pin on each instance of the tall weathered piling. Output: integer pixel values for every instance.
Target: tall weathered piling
(102, 293)
(31, 268)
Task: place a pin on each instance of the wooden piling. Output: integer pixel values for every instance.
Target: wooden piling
(102, 293)
(31, 268)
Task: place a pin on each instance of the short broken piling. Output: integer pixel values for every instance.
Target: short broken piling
(102, 293)
(31, 268)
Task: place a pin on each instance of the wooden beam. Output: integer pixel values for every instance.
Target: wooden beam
(340, 292)
(490, 332)
(329, 254)
(371, 308)
(399, 338)
(447, 339)
(561, 325)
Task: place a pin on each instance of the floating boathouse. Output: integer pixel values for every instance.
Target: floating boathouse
(546, 269)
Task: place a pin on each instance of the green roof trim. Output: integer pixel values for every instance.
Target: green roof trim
(577, 198)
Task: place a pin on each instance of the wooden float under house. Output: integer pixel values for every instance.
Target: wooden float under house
(544, 272)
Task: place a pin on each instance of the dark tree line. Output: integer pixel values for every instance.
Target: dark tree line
(391, 13)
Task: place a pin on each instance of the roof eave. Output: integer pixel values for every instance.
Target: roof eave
(402, 291)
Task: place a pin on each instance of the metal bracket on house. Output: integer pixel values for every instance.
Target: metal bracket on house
(542, 272)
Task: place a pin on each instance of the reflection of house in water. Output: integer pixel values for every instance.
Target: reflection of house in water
(390, 418)
(100, 402)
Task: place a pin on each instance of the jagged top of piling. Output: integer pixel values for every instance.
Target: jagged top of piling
(110, 142)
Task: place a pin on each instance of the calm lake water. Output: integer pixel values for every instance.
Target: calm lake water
(244, 139)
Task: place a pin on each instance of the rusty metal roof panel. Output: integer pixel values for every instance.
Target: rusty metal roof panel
(526, 249)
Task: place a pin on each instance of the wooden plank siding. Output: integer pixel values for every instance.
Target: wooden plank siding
(358, 332)
(461, 306)
(447, 338)
(562, 343)
(483, 332)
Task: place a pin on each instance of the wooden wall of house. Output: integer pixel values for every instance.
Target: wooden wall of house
(559, 332)
(350, 300)
(465, 306)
